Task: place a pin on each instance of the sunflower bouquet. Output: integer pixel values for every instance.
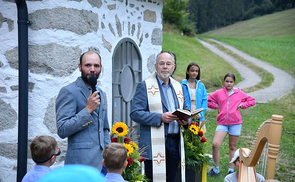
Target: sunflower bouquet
(194, 145)
(132, 173)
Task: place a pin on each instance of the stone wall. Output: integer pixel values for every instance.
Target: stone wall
(59, 31)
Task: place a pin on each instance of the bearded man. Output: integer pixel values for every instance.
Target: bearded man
(154, 101)
(81, 115)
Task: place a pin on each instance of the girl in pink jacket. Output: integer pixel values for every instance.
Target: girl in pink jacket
(228, 101)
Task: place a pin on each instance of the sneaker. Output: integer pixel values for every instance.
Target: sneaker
(212, 173)
(229, 172)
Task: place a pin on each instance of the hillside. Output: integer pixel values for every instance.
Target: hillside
(280, 24)
(270, 38)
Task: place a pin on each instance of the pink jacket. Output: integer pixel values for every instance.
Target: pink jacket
(229, 113)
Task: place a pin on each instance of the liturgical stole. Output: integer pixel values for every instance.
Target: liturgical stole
(158, 133)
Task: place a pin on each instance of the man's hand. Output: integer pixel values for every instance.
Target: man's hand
(93, 102)
(167, 117)
(182, 122)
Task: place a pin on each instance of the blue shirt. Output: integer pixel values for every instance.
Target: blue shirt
(114, 177)
(168, 94)
(36, 173)
(201, 96)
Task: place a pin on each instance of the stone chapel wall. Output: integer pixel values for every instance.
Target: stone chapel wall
(59, 32)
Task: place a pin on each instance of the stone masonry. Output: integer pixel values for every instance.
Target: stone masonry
(59, 31)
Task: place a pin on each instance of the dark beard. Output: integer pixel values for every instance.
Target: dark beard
(84, 77)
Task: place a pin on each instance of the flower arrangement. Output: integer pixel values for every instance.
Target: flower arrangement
(132, 173)
(194, 145)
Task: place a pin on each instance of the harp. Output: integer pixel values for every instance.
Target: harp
(269, 131)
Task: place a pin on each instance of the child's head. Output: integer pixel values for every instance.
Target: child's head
(44, 150)
(236, 159)
(229, 81)
(193, 70)
(115, 157)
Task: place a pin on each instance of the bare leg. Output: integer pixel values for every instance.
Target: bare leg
(218, 139)
(233, 140)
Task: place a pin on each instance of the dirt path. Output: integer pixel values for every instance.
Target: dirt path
(283, 82)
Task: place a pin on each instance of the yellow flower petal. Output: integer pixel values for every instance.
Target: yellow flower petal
(134, 145)
(129, 149)
(120, 128)
(194, 129)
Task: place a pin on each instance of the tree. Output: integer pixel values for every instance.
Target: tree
(174, 12)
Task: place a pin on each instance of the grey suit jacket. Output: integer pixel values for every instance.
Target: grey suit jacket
(87, 134)
(141, 114)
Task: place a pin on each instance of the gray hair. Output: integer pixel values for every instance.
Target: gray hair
(170, 53)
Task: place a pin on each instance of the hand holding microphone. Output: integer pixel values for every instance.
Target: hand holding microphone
(93, 81)
(94, 99)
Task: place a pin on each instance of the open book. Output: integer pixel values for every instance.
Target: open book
(184, 114)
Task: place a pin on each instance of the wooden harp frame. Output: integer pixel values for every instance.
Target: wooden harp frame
(270, 131)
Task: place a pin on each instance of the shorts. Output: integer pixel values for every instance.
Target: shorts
(234, 130)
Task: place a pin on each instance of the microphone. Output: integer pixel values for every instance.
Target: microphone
(92, 81)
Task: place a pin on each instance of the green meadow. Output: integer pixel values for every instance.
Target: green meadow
(270, 38)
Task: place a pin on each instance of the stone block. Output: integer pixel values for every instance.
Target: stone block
(149, 16)
(50, 116)
(3, 90)
(30, 87)
(53, 59)
(112, 29)
(157, 38)
(8, 116)
(118, 26)
(95, 3)
(151, 63)
(111, 6)
(9, 150)
(106, 44)
(79, 21)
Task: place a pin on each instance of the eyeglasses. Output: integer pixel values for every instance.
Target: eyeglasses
(44, 160)
(168, 64)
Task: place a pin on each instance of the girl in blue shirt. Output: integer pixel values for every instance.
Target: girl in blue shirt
(195, 91)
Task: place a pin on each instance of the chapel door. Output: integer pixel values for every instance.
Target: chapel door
(127, 73)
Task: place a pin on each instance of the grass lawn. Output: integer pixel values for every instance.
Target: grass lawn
(280, 24)
(273, 41)
(277, 51)
(252, 118)
(189, 50)
(270, 38)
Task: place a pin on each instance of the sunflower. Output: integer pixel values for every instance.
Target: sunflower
(194, 129)
(134, 145)
(120, 128)
(129, 149)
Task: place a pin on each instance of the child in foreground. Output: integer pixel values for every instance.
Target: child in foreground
(44, 150)
(228, 100)
(234, 177)
(115, 161)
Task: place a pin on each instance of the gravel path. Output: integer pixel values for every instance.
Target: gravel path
(283, 82)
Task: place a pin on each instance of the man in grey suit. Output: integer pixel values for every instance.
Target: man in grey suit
(81, 115)
(142, 114)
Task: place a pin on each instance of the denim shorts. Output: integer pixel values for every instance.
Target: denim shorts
(234, 130)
